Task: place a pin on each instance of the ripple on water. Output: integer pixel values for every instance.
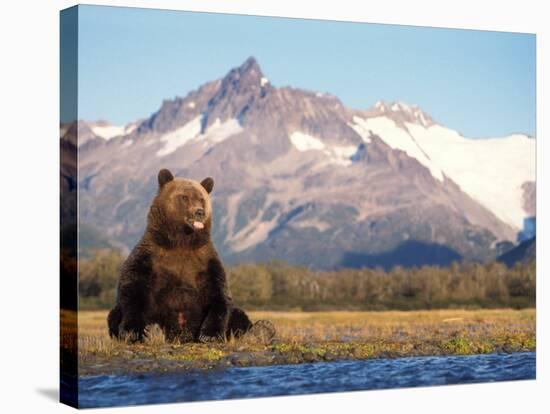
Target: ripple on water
(113, 390)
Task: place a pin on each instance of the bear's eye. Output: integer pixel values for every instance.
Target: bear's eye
(184, 198)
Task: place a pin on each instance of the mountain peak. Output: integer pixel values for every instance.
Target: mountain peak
(402, 112)
(251, 64)
(237, 92)
(249, 72)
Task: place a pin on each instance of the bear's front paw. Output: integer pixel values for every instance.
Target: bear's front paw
(132, 333)
(133, 337)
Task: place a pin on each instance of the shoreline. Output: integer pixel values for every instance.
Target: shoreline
(304, 337)
(139, 362)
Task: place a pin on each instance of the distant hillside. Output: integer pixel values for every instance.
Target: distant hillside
(524, 253)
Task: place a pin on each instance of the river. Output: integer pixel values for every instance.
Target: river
(321, 377)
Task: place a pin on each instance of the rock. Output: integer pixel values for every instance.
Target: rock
(330, 356)
(241, 360)
(310, 356)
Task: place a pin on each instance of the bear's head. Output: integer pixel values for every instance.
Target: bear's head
(181, 212)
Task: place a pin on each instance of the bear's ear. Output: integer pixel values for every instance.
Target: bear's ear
(165, 176)
(208, 184)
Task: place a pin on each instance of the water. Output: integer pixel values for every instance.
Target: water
(105, 390)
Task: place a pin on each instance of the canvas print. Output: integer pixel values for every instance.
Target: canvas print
(261, 206)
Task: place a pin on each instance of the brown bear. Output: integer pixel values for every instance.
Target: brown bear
(174, 276)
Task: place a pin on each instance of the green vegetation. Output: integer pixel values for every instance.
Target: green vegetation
(311, 337)
(279, 286)
(98, 276)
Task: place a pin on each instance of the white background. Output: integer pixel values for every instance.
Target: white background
(29, 185)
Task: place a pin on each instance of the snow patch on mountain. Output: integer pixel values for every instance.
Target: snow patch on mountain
(180, 136)
(336, 154)
(108, 131)
(359, 125)
(490, 170)
(305, 142)
(341, 155)
(398, 138)
(220, 131)
(216, 133)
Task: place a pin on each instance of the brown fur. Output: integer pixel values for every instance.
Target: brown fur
(174, 276)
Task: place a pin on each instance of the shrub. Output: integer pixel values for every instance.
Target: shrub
(279, 286)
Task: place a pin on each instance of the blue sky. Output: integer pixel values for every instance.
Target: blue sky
(480, 83)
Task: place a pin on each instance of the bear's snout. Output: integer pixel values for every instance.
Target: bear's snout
(199, 214)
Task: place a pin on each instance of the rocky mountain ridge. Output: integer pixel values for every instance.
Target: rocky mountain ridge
(302, 178)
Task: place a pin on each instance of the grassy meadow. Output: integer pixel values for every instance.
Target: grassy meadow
(310, 337)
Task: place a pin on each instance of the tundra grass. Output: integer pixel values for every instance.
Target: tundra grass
(313, 337)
